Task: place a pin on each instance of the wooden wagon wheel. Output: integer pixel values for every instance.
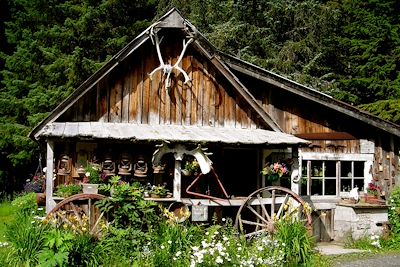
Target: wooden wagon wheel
(263, 208)
(79, 214)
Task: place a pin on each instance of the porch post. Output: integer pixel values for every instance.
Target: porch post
(296, 172)
(177, 177)
(50, 203)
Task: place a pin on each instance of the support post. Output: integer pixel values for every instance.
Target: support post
(177, 178)
(296, 172)
(50, 203)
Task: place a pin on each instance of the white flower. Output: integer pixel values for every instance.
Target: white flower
(195, 248)
(178, 253)
(219, 260)
(239, 248)
(207, 233)
(169, 242)
(225, 238)
(223, 219)
(87, 174)
(40, 209)
(174, 258)
(162, 247)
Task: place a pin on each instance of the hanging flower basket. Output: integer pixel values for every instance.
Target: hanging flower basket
(274, 171)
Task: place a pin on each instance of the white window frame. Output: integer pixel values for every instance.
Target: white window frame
(313, 156)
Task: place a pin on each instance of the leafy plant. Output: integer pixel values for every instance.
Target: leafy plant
(26, 203)
(192, 166)
(26, 238)
(57, 245)
(92, 175)
(394, 212)
(159, 190)
(297, 243)
(127, 207)
(67, 190)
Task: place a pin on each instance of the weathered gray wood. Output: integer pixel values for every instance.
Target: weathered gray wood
(84, 129)
(50, 203)
(177, 180)
(71, 129)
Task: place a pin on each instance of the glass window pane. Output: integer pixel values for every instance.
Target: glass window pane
(358, 168)
(316, 168)
(345, 185)
(303, 186)
(359, 183)
(316, 187)
(330, 186)
(345, 169)
(330, 168)
(304, 168)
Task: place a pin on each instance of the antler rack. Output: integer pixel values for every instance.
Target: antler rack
(168, 68)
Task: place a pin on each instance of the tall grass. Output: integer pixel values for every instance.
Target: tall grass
(7, 212)
(298, 244)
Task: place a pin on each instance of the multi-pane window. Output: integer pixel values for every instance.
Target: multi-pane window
(329, 177)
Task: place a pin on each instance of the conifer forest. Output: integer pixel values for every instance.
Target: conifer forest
(349, 49)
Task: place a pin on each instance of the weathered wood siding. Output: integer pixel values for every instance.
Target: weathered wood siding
(129, 95)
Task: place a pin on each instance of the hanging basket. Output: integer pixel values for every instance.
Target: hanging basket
(273, 177)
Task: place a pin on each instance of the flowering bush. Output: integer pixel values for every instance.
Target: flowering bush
(36, 185)
(374, 189)
(274, 171)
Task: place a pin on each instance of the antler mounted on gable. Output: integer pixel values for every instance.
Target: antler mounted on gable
(167, 68)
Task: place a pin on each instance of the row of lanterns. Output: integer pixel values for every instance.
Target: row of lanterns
(109, 167)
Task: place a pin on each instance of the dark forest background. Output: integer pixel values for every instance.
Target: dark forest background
(348, 49)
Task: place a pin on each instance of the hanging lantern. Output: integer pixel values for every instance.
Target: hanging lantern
(80, 171)
(64, 165)
(108, 166)
(125, 165)
(140, 168)
(159, 168)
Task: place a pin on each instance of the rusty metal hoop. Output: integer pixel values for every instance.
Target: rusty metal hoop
(263, 208)
(80, 213)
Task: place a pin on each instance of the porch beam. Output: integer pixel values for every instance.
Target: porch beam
(50, 203)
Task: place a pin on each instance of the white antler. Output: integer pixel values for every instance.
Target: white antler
(167, 68)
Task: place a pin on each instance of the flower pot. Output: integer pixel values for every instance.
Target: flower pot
(90, 188)
(372, 199)
(186, 172)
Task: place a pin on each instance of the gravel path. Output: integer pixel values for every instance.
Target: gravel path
(378, 261)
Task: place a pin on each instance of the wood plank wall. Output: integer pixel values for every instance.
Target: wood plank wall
(129, 95)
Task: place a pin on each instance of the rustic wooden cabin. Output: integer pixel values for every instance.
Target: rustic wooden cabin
(170, 87)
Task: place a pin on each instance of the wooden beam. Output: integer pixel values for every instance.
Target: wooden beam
(326, 136)
(177, 180)
(50, 203)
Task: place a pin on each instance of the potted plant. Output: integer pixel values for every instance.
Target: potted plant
(159, 191)
(191, 167)
(373, 194)
(67, 190)
(274, 171)
(91, 180)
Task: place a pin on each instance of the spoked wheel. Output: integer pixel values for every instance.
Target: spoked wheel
(79, 214)
(265, 207)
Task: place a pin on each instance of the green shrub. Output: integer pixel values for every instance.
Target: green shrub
(68, 190)
(25, 204)
(26, 239)
(128, 208)
(297, 243)
(394, 211)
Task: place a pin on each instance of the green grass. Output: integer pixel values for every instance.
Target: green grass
(6, 216)
(7, 213)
